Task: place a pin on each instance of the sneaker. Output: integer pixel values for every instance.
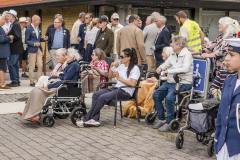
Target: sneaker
(92, 123)
(13, 84)
(32, 84)
(164, 128)
(5, 87)
(80, 123)
(159, 124)
(24, 75)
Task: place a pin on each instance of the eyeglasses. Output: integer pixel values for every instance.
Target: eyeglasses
(115, 19)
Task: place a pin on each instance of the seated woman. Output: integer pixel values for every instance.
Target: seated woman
(43, 81)
(180, 61)
(99, 71)
(127, 74)
(38, 95)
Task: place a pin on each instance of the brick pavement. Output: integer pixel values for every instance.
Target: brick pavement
(128, 141)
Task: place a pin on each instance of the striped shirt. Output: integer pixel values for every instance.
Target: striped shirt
(58, 39)
(221, 75)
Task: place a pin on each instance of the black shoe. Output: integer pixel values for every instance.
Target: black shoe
(32, 84)
(13, 84)
(24, 75)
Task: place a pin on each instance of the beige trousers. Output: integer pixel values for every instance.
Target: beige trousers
(33, 59)
(151, 63)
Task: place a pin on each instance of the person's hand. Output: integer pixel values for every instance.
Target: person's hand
(115, 64)
(37, 44)
(158, 70)
(46, 38)
(205, 55)
(116, 75)
(11, 37)
(79, 39)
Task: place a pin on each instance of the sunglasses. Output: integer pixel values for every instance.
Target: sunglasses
(121, 57)
(115, 19)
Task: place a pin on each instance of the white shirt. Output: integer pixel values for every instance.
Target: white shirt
(134, 74)
(23, 38)
(6, 27)
(183, 63)
(90, 36)
(36, 30)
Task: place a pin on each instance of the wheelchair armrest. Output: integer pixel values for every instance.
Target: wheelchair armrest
(129, 87)
(176, 77)
(71, 82)
(106, 84)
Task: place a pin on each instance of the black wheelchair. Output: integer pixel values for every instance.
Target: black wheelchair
(68, 101)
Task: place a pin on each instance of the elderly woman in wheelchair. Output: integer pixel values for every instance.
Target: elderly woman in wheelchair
(127, 74)
(39, 94)
(180, 62)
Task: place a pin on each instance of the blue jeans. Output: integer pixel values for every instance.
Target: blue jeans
(13, 67)
(168, 91)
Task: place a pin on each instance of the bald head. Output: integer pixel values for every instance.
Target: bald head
(36, 20)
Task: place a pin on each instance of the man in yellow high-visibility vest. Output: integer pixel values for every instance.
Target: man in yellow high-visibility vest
(191, 31)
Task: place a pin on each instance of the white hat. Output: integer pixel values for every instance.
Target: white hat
(12, 12)
(5, 12)
(114, 16)
(22, 19)
(233, 44)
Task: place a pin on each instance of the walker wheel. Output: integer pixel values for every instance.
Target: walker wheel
(77, 114)
(48, 121)
(150, 118)
(179, 141)
(210, 148)
(174, 125)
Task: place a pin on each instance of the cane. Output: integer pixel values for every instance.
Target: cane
(44, 58)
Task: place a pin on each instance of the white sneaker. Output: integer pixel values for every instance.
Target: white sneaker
(93, 123)
(80, 123)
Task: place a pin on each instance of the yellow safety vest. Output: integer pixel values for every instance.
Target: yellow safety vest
(194, 39)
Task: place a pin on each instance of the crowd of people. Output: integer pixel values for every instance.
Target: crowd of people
(95, 39)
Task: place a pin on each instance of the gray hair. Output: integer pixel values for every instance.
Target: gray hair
(232, 26)
(61, 51)
(181, 41)
(161, 18)
(154, 15)
(82, 14)
(73, 53)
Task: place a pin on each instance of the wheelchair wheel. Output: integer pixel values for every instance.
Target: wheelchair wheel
(150, 118)
(210, 148)
(174, 125)
(199, 137)
(48, 121)
(77, 114)
(179, 141)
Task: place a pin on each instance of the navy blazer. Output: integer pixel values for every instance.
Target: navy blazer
(4, 44)
(16, 47)
(81, 34)
(71, 72)
(66, 38)
(163, 40)
(226, 124)
(31, 38)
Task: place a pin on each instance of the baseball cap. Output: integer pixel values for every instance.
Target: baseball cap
(22, 19)
(115, 16)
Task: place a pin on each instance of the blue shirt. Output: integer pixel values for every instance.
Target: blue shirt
(58, 39)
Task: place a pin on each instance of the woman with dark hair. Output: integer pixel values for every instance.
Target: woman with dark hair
(127, 74)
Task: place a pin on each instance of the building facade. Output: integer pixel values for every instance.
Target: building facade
(206, 12)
